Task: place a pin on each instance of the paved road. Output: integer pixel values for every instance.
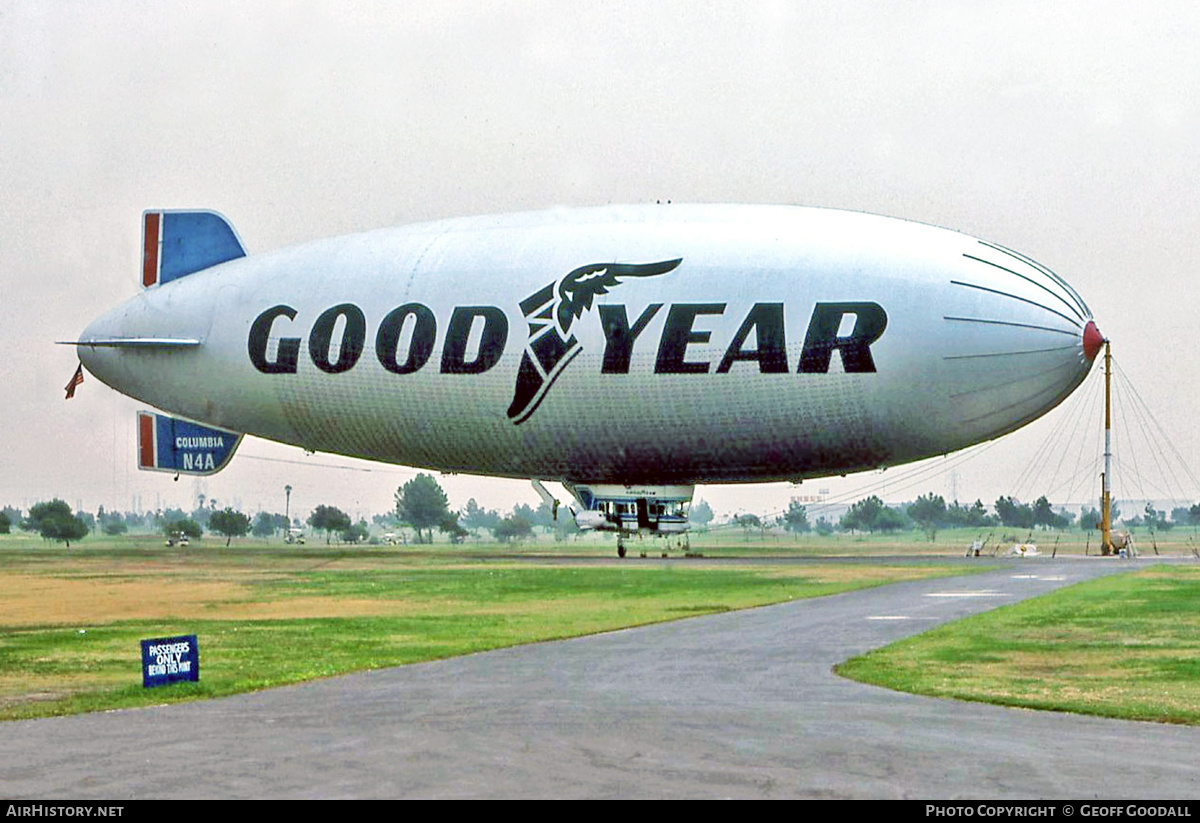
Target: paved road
(735, 705)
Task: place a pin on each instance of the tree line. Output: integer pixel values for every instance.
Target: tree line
(422, 505)
(930, 513)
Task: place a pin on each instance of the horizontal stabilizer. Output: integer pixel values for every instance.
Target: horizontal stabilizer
(168, 444)
(178, 243)
(135, 342)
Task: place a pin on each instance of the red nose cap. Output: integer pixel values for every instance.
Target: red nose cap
(1092, 340)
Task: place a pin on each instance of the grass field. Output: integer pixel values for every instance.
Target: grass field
(947, 542)
(1126, 646)
(266, 615)
(736, 542)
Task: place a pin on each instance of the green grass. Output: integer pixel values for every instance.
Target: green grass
(1126, 646)
(268, 615)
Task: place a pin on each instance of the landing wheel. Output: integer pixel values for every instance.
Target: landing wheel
(620, 548)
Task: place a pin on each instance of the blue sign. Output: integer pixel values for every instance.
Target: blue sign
(170, 660)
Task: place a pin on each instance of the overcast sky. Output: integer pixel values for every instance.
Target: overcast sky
(1066, 130)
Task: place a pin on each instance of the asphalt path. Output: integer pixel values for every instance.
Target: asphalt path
(740, 705)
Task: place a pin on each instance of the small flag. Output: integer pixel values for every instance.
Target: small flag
(75, 381)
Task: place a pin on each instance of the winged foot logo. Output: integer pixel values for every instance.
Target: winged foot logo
(551, 347)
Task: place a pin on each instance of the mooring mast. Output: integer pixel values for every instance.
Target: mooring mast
(1105, 478)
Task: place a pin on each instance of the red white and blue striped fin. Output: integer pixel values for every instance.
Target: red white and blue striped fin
(168, 444)
(178, 243)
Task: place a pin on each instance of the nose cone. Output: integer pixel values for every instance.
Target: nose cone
(102, 346)
(137, 348)
(1022, 341)
(1093, 340)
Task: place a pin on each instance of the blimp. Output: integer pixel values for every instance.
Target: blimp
(626, 352)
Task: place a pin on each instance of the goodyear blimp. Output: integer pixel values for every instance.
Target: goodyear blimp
(628, 352)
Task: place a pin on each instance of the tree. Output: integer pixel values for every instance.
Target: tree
(526, 512)
(928, 512)
(88, 520)
(12, 515)
(1043, 514)
(545, 516)
(5, 523)
(54, 521)
(474, 517)
(185, 526)
(265, 525)
(356, 533)
(701, 514)
(201, 514)
(328, 519)
(1013, 514)
(422, 504)
(229, 523)
(979, 515)
(748, 522)
(1156, 520)
(114, 527)
(1065, 519)
(796, 518)
(513, 527)
(863, 515)
(891, 520)
(450, 527)
(565, 526)
(165, 516)
(958, 516)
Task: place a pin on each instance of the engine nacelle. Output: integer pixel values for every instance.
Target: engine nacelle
(588, 520)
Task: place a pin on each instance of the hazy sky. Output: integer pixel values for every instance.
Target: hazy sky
(1066, 130)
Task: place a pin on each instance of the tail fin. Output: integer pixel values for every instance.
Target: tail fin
(168, 444)
(178, 243)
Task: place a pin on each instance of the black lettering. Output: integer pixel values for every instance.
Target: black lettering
(420, 344)
(491, 342)
(619, 337)
(869, 322)
(766, 319)
(260, 333)
(349, 350)
(678, 333)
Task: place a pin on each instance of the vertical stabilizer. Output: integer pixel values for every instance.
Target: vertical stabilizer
(178, 243)
(168, 444)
